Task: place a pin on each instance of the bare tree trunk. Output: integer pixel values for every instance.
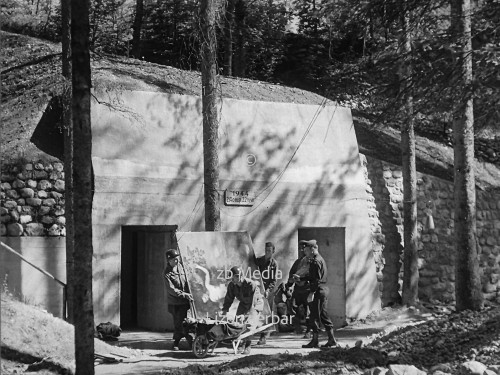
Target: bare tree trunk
(410, 275)
(210, 118)
(228, 38)
(136, 36)
(95, 21)
(467, 281)
(68, 151)
(83, 188)
(48, 7)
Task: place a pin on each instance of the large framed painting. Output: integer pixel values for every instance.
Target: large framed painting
(208, 258)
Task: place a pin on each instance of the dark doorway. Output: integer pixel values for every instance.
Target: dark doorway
(331, 243)
(143, 301)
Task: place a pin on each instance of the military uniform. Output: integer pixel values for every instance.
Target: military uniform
(301, 291)
(267, 270)
(318, 284)
(178, 303)
(251, 302)
(318, 298)
(248, 294)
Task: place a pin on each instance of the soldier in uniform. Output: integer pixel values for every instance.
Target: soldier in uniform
(297, 278)
(267, 266)
(178, 296)
(247, 292)
(318, 298)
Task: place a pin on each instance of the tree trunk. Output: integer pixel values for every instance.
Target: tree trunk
(68, 152)
(410, 274)
(176, 22)
(95, 21)
(136, 36)
(467, 279)
(83, 188)
(228, 38)
(210, 119)
(239, 59)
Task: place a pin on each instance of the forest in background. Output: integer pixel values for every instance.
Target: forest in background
(348, 51)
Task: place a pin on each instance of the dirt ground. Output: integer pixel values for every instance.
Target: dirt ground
(158, 358)
(434, 336)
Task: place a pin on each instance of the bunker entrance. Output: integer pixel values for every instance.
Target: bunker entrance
(143, 301)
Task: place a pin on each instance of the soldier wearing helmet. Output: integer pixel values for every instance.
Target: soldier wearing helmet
(178, 296)
(247, 292)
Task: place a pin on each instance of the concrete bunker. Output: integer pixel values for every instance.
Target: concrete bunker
(297, 167)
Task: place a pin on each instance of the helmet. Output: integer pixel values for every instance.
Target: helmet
(172, 253)
(236, 271)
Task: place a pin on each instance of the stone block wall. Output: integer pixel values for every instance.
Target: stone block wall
(435, 235)
(32, 200)
(488, 232)
(386, 191)
(378, 237)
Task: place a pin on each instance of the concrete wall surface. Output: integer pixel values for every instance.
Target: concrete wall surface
(25, 281)
(300, 162)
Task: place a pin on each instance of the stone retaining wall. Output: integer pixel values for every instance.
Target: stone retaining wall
(436, 235)
(387, 208)
(32, 197)
(32, 204)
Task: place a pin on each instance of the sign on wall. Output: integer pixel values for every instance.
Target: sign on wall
(239, 198)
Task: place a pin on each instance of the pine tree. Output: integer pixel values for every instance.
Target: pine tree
(68, 151)
(410, 274)
(467, 280)
(210, 118)
(83, 188)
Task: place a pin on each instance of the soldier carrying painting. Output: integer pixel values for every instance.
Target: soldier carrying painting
(178, 296)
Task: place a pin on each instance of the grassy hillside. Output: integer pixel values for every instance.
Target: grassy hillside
(34, 339)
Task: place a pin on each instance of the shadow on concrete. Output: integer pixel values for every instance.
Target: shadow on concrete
(145, 344)
(181, 354)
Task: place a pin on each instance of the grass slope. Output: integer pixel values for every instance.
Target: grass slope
(30, 335)
(26, 330)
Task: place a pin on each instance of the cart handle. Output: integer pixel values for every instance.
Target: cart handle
(251, 332)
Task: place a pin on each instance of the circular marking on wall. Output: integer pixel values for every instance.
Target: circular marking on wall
(251, 159)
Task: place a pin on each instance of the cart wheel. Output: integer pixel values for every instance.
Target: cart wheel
(200, 346)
